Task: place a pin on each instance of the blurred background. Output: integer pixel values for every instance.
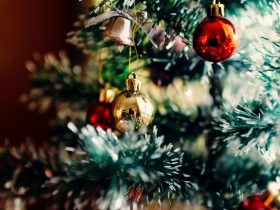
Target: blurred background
(28, 27)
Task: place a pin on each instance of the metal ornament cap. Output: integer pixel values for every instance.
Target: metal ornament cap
(132, 83)
(119, 30)
(216, 9)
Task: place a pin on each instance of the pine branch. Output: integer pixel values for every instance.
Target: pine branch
(269, 72)
(130, 162)
(106, 170)
(54, 81)
(176, 125)
(24, 169)
(224, 184)
(136, 160)
(254, 125)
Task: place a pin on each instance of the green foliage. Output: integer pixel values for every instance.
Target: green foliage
(253, 126)
(255, 123)
(140, 161)
(26, 168)
(104, 160)
(104, 169)
(55, 81)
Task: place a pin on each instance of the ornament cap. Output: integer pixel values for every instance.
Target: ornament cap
(216, 9)
(107, 94)
(132, 83)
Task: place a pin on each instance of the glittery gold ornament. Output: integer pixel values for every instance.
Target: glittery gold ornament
(131, 107)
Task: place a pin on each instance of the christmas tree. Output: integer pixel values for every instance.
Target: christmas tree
(175, 106)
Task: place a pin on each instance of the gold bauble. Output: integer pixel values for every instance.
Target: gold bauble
(131, 108)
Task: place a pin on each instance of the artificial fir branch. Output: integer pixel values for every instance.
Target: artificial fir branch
(106, 168)
(226, 180)
(132, 161)
(138, 160)
(84, 180)
(256, 123)
(55, 81)
(25, 168)
(176, 125)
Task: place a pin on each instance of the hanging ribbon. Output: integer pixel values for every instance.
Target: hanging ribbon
(100, 18)
(118, 13)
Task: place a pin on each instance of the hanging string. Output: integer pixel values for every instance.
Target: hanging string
(129, 59)
(133, 37)
(100, 68)
(133, 34)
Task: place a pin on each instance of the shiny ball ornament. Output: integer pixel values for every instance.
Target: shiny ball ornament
(215, 38)
(131, 109)
(253, 202)
(99, 114)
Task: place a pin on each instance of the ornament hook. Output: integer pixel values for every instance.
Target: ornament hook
(216, 9)
(216, 2)
(132, 75)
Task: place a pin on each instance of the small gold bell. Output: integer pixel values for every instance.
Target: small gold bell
(131, 107)
(119, 30)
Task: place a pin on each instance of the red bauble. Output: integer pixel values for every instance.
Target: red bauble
(99, 116)
(215, 39)
(253, 202)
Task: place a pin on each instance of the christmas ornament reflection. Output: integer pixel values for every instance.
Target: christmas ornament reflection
(131, 107)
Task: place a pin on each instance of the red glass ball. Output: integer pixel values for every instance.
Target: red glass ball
(99, 116)
(215, 39)
(253, 202)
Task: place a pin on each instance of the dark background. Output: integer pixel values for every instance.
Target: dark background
(28, 26)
